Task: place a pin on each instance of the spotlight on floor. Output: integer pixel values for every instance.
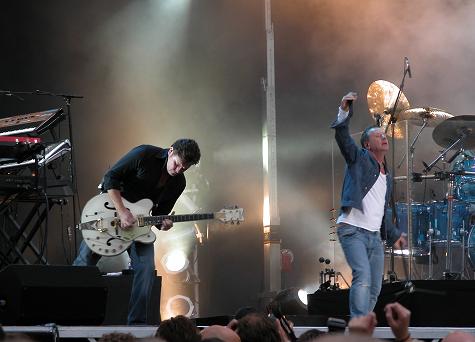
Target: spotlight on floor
(179, 305)
(175, 261)
(302, 294)
(291, 301)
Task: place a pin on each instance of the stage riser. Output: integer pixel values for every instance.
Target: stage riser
(433, 303)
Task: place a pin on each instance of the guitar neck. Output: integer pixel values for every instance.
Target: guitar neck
(154, 220)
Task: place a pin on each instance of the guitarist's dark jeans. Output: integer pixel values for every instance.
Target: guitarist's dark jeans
(143, 264)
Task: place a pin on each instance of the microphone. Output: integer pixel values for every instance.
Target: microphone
(407, 66)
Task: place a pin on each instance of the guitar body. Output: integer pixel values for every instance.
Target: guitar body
(100, 223)
(101, 230)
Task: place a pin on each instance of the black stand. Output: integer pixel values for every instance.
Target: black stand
(67, 98)
(392, 276)
(25, 231)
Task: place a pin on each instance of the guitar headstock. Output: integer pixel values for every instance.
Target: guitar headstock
(233, 215)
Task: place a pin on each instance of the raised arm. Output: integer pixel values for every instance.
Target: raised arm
(345, 142)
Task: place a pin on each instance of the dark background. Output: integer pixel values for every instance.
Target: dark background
(153, 71)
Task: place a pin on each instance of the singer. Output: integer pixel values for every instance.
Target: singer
(365, 196)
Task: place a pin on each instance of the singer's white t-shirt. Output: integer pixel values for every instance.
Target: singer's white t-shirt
(371, 217)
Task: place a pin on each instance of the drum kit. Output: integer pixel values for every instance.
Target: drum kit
(448, 221)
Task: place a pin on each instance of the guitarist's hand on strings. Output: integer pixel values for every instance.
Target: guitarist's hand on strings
(166, 224)
(125, 216)
(126, 219)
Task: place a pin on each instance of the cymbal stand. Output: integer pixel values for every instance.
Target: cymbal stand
(411, 147)
(462, 233)
(430, 233)
(449, 274)
(444, 152)
(410, 169)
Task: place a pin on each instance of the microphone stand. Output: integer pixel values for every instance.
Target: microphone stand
(72, 163)
(392, 120)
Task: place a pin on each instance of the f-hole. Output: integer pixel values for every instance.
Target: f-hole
(106, 205)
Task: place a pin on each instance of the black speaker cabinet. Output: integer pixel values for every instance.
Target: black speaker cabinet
(65, 295)
(119, 288)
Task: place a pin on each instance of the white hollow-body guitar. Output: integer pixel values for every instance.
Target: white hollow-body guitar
(100, 224)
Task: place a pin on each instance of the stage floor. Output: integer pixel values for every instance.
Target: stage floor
(95, 332)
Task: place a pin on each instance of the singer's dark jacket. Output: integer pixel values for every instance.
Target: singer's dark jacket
(137, 175)
(362, 171)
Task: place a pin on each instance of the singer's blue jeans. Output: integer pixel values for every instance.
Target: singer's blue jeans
(364, 252)
(143, 264)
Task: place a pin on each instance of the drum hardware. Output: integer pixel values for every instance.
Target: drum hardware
(453, 132)
(461, 138)
(462, 235)
(430, 233)
(471, 247)
(411, 147)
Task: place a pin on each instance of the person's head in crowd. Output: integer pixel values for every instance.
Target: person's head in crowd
(311, 335)
(117, 337)
(346, 338)
(459, 336)
(218, 331)
(246, 310)
(152, 339)
(178, 329)
(256, 327)
(18, 337)
(212, 339)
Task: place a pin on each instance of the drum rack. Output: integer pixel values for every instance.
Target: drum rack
(447, 136)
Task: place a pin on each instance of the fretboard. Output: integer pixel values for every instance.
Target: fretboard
(154, 220)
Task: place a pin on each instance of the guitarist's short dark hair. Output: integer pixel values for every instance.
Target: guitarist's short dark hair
(188, 150)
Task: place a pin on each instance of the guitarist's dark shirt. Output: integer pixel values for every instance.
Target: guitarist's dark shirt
(137, 176)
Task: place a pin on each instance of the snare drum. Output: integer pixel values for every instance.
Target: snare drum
(460, 219)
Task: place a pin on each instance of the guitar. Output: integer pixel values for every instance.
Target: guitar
(100, 224)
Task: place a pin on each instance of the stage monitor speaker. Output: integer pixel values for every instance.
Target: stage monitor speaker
(64, 295)
(119, 288)
(433, 303)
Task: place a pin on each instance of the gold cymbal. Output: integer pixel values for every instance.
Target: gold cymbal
(433, 116)
(381, 98)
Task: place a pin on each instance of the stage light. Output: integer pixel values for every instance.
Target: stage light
(175, 261)
(302, 294)
(179, 305)
(291, 301)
